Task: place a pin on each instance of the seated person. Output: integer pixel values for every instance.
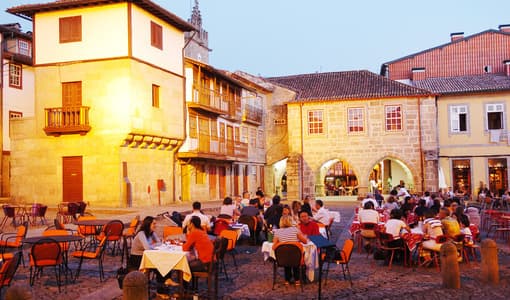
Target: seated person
(197, 239)
(450, 225)
(197, 212)
(368, 215)
(322, 215)
(307, 225)
(306, 205)
(252, 210)
(394, 227)
(146, 239)
(228, 209)
(432, 228)
(273, 213)
(288, 233)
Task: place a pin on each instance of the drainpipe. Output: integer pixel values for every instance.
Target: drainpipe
(421, 149)
(301, 168)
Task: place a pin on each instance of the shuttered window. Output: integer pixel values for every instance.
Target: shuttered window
(156, 35)
(458, 118)
(70, 29)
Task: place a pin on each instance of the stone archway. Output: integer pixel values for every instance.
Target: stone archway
(387, 173)
(336, 177)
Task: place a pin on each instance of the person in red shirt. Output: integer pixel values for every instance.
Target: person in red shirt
(307, 225)
(198, 239)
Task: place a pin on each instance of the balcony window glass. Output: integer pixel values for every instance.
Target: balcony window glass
(15, 76)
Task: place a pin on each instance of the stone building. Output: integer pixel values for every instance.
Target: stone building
(346, 129)
(16, 90)
(109, 104)
(471, 78)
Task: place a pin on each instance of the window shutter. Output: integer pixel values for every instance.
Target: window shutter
(454, 119)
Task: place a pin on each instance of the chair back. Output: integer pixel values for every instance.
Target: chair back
(41, 211)
(8, 211)
(459, 238)
(231, 236)
(171, 230)
(289, 254)
(368, 226)
(21, 234)
(114, 230)
(131, 230)
(220, 225)
(81, 207)
(248, 220)
(440, 239)
(9, 268)
(56, 232)
(35, 209)
(84, 229)
(221, 247)
(58, 224)
(346, 252)
(46, 252)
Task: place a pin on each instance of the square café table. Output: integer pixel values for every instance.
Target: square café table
(165, 259)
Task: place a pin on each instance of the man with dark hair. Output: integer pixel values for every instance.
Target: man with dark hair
(306, 205)
(273, 213)
(197, 206)
(197, 239)
(307, 225)
(261, 198)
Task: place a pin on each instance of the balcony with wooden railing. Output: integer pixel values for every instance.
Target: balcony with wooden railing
(208, 100)
(204, 147)
(67, 120)
(252, 114)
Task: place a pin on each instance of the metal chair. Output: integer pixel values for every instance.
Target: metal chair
(113, 230)
(89, 252)
(211, 271)
(289, 255)
(13, 241)
(46, 253)
(252, 225)
(38, 211)
(9, 213)
(8, 270)
(339, 257)
(231, 236)
(383, 240)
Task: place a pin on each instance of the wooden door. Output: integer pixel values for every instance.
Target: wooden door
(72, 179)
(223, 182)
(245, 177)
(213, 182)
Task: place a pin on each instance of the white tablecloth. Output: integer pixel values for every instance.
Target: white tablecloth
(165, 260)
(241, 229)
(310, 256)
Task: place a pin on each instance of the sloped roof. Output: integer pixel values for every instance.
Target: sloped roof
(29, 10)
(465, 84)
(444, 45)
(345, 85)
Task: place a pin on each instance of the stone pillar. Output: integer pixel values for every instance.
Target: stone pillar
(18, 292)
(135, 286)
(450, 272)
(489, 265)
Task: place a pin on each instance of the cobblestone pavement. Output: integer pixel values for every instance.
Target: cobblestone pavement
(253, 278)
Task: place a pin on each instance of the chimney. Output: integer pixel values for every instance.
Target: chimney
(507, 67)
(504, 28)
(417, 74)
(456, 36)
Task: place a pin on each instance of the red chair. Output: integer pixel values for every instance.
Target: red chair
(339, 257)
(8, 270)
(384, 239)
(289, 255)
(46, 253)
(9, 213)
(220, 225)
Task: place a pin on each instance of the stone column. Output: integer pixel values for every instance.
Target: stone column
(450, 272)
(135, 286)
(489, 265)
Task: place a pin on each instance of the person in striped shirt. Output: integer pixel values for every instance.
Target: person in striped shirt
(288, 233)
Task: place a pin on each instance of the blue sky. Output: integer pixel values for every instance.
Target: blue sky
(284, 37)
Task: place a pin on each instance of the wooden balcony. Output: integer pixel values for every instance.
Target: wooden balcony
(67, 120)
(252, 114)
(208, 101)
(206, 148)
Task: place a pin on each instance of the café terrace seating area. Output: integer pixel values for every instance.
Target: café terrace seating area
(85, 255)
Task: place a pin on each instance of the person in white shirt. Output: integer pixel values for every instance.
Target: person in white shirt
(322, 214)
(368, 214)
(204, 220)
(402, 192)
(370, 198)
(246, 200)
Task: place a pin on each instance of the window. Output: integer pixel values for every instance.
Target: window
(155, 95)
(156, 35)
(70, 29)
(315, 122)
(71, 94)
(393, 117)
(494, 116)
(200, 177)
(355, 119)
(214, 130)
(253, 137)
(260, 139)
(193, 126)
(24, 48)
(244, 133)
(15, 76)
(458, 118)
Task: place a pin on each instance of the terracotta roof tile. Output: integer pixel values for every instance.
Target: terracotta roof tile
(465, 84)
(345, 85)
(27, 11)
